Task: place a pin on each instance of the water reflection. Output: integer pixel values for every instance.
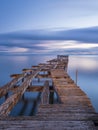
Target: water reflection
(83, 63)
(87, 67)
(27, 106)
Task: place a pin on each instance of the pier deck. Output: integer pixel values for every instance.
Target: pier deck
(73, 111)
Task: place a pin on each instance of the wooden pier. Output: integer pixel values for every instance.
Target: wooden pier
(73, 111)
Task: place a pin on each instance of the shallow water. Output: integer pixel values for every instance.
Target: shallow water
(87, 67)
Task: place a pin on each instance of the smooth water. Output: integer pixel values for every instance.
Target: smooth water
(14, 65)
(87, 67)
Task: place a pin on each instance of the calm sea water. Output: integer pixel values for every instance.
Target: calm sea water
(87, 67)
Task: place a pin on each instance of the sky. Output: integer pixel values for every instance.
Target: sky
(24, 24)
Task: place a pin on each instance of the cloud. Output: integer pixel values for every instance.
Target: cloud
(13, 49)
(89, 35)
(72, 41)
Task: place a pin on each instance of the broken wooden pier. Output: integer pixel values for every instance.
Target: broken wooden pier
(73, 111)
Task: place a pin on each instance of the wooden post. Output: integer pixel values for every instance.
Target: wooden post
(76, 76)
(51, 97)
(45, 94)
(6, 95)
(23, 97)
(38, 79)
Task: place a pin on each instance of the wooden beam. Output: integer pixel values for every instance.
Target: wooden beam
(27, 70)
(16, 75)
(4, 89)
(10, 102)
(45, 94)
(35, 88)
(31, 88)
(7, 106)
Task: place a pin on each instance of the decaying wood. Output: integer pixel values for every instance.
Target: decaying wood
(4, 89)
(45, 94)
(7, 106)
(74, 110)
(35, 89)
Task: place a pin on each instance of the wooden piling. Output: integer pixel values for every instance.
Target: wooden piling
(76, 76)
(45, 94)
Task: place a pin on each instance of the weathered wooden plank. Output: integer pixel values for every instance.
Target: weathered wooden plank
(45, 94)
(47, 125)
(12, 84)
(7, 106)
(4, 89)
(25, 70)
(35, 88)
(65, 108)
(17, 75)
(30, 88)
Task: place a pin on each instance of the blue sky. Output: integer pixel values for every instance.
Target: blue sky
(48, 20)
(40, 14)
